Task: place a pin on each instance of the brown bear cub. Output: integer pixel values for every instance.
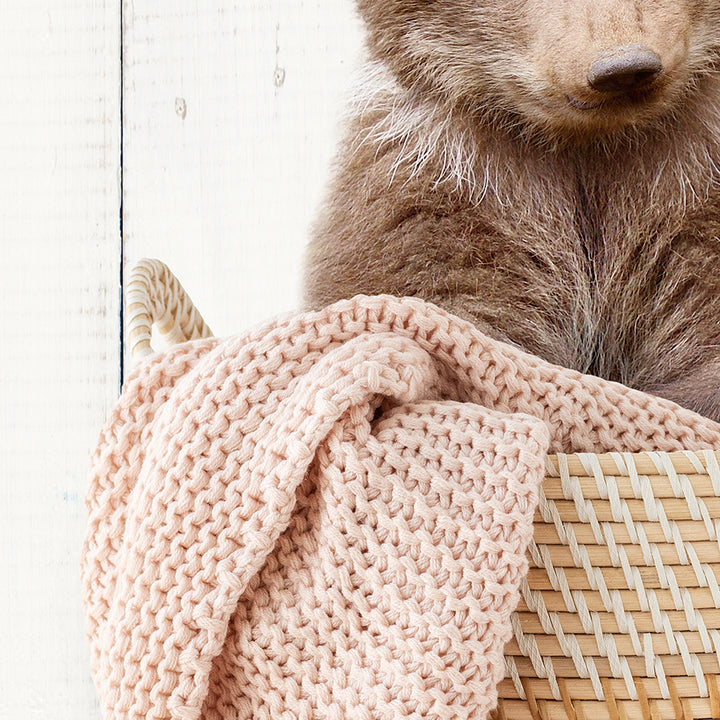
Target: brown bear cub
(549, 169)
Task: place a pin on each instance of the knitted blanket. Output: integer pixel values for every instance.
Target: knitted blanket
(327, 517)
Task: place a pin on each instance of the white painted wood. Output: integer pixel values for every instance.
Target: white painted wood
(59, 330)
(231, 112)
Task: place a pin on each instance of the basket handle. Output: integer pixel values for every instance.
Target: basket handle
(154, 296)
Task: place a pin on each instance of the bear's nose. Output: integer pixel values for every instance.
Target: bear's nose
(631, 67)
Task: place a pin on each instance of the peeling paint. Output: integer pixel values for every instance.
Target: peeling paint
(279, 72)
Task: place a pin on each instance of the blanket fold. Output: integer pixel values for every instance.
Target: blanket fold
(327, 517)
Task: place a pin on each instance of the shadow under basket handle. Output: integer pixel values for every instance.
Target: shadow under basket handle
(154, 296)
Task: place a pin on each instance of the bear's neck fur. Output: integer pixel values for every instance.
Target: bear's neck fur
(596, 254)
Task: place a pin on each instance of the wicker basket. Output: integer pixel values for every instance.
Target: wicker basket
(154, 297)
(620, 610)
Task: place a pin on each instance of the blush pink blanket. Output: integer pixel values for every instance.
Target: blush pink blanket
(326, 518)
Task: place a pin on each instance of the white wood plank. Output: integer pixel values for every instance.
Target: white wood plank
(231, 116)
(59, 356)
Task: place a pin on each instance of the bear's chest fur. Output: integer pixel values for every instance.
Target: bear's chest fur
(601, 256)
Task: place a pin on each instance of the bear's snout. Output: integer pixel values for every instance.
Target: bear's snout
(624, 69)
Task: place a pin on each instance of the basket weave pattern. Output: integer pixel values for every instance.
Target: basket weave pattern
(619, 613)
(155, 297)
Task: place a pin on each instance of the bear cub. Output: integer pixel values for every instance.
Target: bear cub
(550, 170)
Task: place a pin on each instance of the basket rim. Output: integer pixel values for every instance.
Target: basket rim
(628, 464)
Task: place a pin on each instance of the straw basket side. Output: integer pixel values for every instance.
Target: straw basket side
(620, 613)
(620, 609)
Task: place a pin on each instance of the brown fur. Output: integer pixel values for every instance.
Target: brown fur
(483, 173)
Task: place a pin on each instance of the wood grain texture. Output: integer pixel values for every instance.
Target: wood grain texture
(231, 115)
(59, 355)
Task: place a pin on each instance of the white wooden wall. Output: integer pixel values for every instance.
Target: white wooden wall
(229, 117)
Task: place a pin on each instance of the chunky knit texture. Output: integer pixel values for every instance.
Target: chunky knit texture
(327, 517)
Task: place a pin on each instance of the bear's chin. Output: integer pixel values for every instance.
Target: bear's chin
(585, 119)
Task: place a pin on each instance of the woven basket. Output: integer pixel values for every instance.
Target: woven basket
(620, 609)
